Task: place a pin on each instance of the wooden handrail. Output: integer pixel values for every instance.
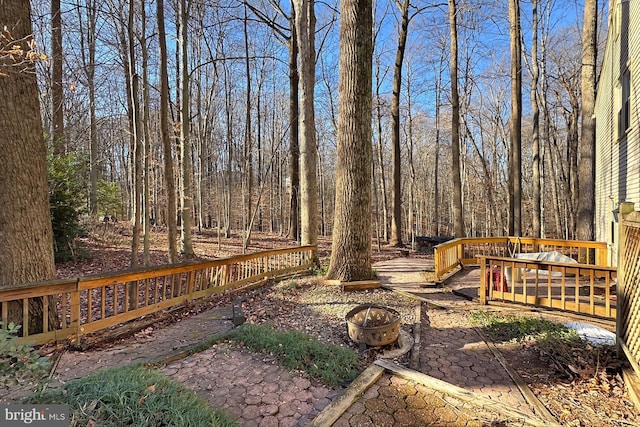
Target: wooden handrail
(89, 304)
(565, 286)
(449, 255)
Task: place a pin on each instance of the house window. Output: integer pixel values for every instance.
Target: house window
(624, 119)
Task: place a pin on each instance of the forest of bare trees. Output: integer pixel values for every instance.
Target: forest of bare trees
(191, 114)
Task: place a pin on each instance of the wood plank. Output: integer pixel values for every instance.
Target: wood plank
(74, 309)
(45, 314)
(462, 394)
(25, 317)
(333, 411)
(5, 315)
(103, 302)
(36, 291)
(360, 285)
(539, 408)
(89, 304)
(42, 338)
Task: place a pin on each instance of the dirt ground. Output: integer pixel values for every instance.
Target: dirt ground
(591, 393)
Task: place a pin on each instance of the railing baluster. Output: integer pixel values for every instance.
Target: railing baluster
(25, 317)
(89, 305)
(103, 302)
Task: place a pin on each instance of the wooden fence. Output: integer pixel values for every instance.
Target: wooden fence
(579, 288)
(450, 255)
(89, 304)
(628, 320)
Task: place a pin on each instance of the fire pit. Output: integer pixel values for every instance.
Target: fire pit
(373, 325)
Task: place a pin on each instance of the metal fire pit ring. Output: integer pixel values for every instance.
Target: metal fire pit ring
(373, 325)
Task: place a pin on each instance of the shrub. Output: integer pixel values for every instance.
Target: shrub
(19, 361)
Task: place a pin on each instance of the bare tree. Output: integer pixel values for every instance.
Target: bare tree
(248, 140)
(57, 98)
(396, 212)
(165, 136)
(136, 138)
(515, 123)
(146, 157)
(186, 200)
(380, 153)
(294, 146)
(87, 18)
(458, 221)
(305, 30)
(586, 167)
(535, 109)
(351, 250)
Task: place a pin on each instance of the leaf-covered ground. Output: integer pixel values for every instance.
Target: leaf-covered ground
(589, 392)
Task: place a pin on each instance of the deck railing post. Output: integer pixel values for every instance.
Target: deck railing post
(74, 311)
(483, 280)
(436, 262)
(626, 209)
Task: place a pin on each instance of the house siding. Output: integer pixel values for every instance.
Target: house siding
(617, 156)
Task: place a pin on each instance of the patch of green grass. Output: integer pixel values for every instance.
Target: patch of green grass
(285, 287)
(132, 396)
(330, 364)
(320, 270)
(508, 328)
(554, 338)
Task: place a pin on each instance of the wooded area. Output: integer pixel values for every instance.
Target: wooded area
(192, 114)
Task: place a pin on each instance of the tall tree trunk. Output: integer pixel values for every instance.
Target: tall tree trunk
(305, 29)
(88, 50)
(412, 170)
(535, 109)
(26, 253)
(458, 221)
(546, 122)
(396, 213)
(248, 143)
(572, 118)
(436, 151)
(515, 123)
(57, 97)
(146, 105)
(229, 154)
(586, 173)
(165, 134)
(294, 147)
(186, 202)
(380, 147)
(351, 250)
(136, 131)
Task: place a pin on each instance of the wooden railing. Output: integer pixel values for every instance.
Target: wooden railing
(89, 304)
(579, 288)
(450, 255)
